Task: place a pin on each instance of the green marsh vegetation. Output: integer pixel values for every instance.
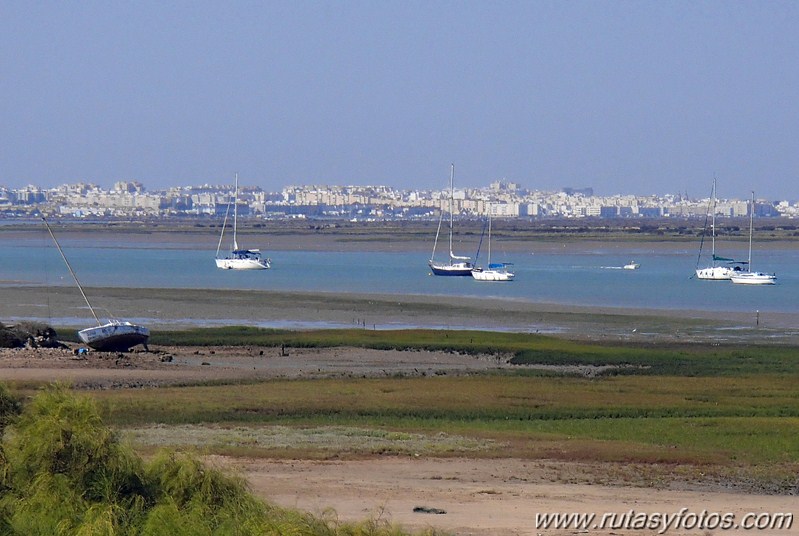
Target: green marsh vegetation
(728, 410)
(699, 409)
(657, 359)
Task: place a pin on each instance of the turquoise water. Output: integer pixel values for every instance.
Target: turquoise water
(591, 278)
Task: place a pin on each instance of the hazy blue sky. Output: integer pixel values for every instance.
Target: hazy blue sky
(641, 97)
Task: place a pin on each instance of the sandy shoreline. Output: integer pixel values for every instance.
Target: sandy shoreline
(180, 308)
(275, 236)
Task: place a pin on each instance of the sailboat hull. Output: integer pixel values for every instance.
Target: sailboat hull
(455, 269)
(114, 336)
(715, 273)
(243, 264)
(754, 278)
(493, 275)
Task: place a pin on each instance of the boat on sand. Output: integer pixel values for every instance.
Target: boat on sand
(113, 335)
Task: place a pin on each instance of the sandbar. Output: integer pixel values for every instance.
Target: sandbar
(182, 308)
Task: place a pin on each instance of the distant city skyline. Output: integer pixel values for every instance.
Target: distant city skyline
(245, 184)
(365, 203)
(638, 98)
(504, 189)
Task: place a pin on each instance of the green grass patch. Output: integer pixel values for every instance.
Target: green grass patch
(412, 339)
(523, 349)
(331, 440)
(690, 361)
(749, 420)
(480, 397)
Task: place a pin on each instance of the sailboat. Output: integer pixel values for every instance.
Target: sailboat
(714, 272)
(496, 271)
(239, 259)
(749, 277)
(458, 265)
(114, 335)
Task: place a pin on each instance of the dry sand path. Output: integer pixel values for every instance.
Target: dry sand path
(485, 497)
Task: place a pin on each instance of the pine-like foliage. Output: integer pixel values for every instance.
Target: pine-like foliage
(67, 473)
(9, 407)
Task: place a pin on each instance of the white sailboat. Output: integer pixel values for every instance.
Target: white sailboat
(749, 277)
(715, 272)
(114, 335)
(457, 265)
(496, 271)
(239, 259)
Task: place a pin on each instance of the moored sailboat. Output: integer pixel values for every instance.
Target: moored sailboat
(714, 272)
(749, 277)
(114, 335)
(495, 271)
(458, 265)
(239, 259)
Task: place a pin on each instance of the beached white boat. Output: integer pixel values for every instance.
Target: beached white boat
(239, 259)
(114, 335)
(748, 277)
(716, 271)
(458, 265)
(494, 271)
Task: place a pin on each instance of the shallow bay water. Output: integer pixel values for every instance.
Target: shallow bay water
(593, 277)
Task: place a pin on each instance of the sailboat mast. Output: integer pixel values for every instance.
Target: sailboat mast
(222, 234)
(713, 225)
(489, 236)
(438, 231)
(751, 225)
(71, 271)
(235, 212)
(451, 200)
